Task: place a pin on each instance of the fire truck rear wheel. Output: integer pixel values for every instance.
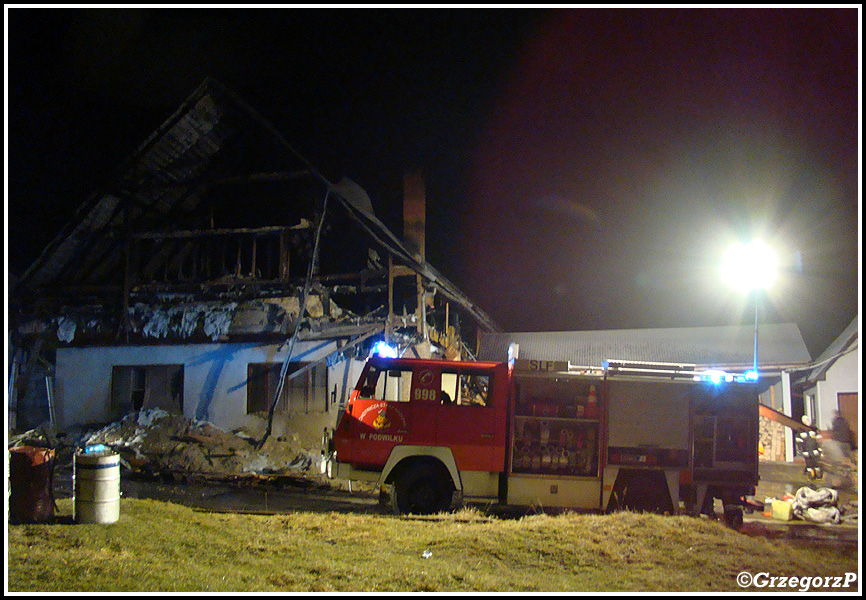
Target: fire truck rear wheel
(733, 516)
(421, 490)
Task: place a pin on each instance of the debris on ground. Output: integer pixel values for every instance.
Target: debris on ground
(817, 505)
(850, 512)
(156, 442)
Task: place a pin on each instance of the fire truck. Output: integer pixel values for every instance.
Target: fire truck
(546, 434)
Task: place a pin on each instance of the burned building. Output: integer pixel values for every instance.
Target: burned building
(219, 275)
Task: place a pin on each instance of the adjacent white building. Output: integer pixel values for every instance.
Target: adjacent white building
(834, 382)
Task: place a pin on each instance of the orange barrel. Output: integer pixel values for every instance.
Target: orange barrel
(96, 485)
(31, 475)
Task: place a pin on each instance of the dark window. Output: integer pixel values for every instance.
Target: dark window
(144, 387)
(472, 389)
(393, 385)
(304, 393)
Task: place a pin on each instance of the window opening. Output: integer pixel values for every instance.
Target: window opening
(302, 394)
(145, 387)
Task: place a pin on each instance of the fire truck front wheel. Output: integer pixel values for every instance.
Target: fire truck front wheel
(421, 489)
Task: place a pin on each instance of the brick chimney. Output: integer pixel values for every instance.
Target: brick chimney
(414, 214)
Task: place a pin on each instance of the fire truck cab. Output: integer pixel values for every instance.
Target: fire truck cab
(546, 434)
(428, 427)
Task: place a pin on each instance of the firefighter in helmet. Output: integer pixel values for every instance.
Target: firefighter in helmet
(810, 450)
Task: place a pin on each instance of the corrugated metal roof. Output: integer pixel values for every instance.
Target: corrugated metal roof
(778, 344)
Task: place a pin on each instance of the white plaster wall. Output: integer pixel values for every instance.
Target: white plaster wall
(843, 376)
(215, 377)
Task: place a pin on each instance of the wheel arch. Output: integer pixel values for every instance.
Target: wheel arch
(402, 457)
(653, 487)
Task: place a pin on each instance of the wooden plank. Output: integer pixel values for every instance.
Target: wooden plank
(769, 413)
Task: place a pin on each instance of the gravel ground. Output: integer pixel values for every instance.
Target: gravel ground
(243, 493)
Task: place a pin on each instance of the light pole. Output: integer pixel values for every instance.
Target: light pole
(753, 374)
(752, 268)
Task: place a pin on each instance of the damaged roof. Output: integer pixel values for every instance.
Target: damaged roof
(183, 178)
(778, 345)
(156, 189)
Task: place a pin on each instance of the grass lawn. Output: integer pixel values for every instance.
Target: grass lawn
(163, 547)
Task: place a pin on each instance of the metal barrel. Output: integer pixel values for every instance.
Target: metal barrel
(96, 478)
(31, 483)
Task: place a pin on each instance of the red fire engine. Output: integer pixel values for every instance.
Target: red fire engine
(646, 436)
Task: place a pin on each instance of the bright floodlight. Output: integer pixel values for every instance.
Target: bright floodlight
(750, 266)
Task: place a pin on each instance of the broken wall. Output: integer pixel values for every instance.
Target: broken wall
(215, 379)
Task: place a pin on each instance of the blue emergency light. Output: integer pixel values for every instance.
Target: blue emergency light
(384, 350)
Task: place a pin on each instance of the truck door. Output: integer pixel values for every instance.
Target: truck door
(467, 418)
(379, 415)
(648, 424)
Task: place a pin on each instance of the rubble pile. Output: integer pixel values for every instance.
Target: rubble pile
(157, 442)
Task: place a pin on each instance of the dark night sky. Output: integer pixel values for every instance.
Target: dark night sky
(585, 169)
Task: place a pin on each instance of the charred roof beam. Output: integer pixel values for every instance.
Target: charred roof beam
(202, 184)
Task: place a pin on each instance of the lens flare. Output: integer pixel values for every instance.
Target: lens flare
(750, 266)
